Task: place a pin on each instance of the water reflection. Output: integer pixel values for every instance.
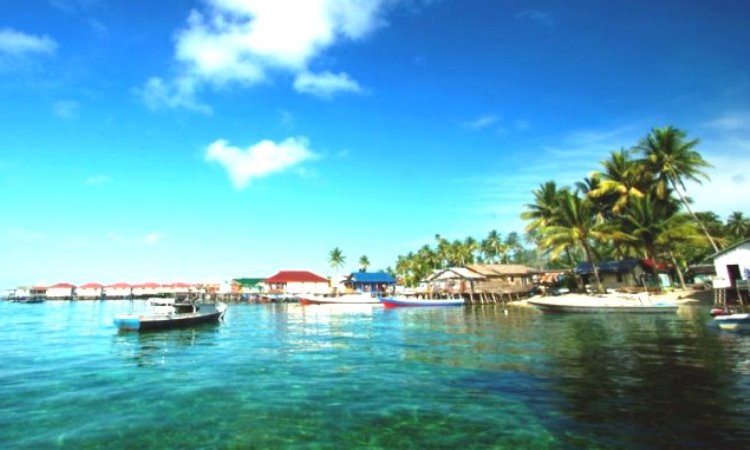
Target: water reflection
(154, 348)
(656, 373)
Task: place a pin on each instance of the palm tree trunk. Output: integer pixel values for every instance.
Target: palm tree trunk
(590, 259)
(700, 223)
(677, 268)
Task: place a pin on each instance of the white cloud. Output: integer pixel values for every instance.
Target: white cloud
(325, 84)
(23, 234)
(18, 44)
(259, 160)
(66, 109)
(158, 94)
(245, 41)
(539, 17)
(482, 122)
(149, 239)
(98, 179)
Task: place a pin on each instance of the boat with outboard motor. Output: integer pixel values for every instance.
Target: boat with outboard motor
(629, 303)
(345, 299)
(398, 302)
(167, 313)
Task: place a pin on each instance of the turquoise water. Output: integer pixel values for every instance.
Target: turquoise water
(287, 376)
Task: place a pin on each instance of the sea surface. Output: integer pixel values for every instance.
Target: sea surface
(291, 376)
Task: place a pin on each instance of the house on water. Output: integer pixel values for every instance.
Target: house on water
(90, 291)
(369, 282)
(296, 282)
(732, 280)
(626, 273)
(61, 291)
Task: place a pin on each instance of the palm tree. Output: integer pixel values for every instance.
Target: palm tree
(336, 258)
(542, 212)
(574, 224)
(738, 226)
(364, 263)
(492, 246)
(622, 179)
(672, 161)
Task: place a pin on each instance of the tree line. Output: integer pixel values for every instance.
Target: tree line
(636, 205)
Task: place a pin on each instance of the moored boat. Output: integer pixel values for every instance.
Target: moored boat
(166, 314)
(346, 299)
(397, 302)
(734, 322)
(640, 303)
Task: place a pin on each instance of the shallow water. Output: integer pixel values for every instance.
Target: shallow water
(288, 376)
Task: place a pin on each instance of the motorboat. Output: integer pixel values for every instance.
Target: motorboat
(397, 302)
(346, 299)
(630, 303)
(166, 313)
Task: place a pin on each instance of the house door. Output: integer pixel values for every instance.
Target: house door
(734, 274)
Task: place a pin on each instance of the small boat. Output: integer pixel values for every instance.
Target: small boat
(397, 302)
(167, 313)
(734, 322)
(346, 299)
(604, 303)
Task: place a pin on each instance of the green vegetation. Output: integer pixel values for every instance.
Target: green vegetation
(336, 258)
(635, 206)
(629, 209)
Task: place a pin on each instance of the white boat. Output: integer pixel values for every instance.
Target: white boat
(346, 299)
(734, 322)
(639, 303)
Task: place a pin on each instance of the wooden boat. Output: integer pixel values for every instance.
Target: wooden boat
(397, 302)
(346, 299)
(734, 322)
(166, 313)
(640, 303)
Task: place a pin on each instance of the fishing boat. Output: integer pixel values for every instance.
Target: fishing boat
(166, 313)
(397, 302)
(346, 299)
(640, 303)
(734, 322)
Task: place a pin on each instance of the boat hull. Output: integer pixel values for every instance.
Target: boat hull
(343, 300)
(604, 305)
(733, 322)
(391, 302)
(149, 322)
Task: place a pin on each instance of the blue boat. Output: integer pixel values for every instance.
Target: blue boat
(167, 314)
(734, 322)
(397, 302)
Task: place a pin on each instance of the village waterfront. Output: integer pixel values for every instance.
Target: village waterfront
(292, 376)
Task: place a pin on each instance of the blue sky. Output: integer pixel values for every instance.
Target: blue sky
(205, 140)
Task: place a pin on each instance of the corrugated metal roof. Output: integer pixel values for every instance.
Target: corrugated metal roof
(459, 273)
(296, 276)
(372, 277)
(490, 270)
(622, 266)
(248, 282)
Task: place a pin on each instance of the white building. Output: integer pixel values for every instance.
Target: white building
(61, 291)
(118, 290)
(732, 265)
(90, 291)
(297, 282)
(146, 289)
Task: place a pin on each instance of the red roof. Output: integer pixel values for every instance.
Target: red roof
(90, 286)
(296, 276)
(119, 285)
(62, 285)
(177, 285)
(148, 285)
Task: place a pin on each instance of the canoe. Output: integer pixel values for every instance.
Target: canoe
(603, 304)
(734, 322)
(396, 302)
(171, 315)
(347, 299)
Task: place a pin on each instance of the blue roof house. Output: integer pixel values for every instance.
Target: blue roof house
(369, 281)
